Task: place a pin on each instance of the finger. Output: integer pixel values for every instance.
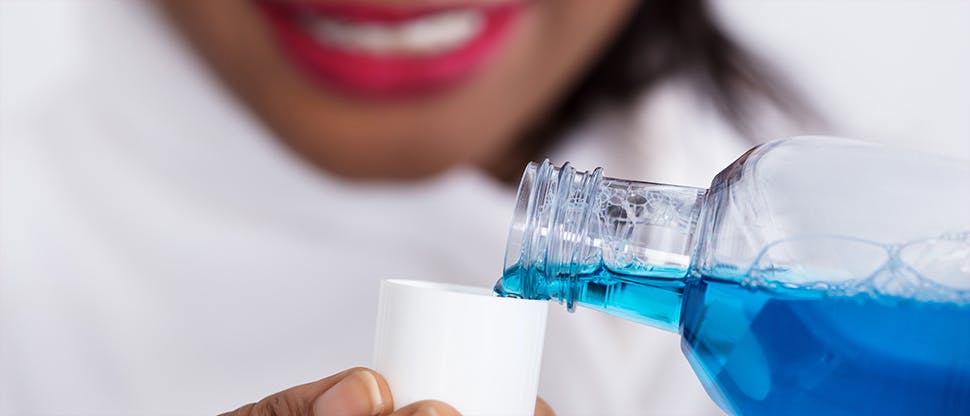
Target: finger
(543, 408)
(354, 392)
(427, 408)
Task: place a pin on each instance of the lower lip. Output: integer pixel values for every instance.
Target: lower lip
(372, 75)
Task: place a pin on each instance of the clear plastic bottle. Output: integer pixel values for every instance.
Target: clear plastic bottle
(816, 275)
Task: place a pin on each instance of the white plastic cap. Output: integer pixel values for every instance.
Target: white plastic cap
(462, 345)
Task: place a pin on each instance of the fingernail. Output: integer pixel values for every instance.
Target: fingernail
(426, 411)
(356, 394)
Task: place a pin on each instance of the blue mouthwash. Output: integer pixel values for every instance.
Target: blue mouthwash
(815, 276)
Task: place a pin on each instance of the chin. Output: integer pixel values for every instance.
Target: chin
(370, 167)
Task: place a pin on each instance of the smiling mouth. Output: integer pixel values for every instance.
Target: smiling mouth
(377, 51)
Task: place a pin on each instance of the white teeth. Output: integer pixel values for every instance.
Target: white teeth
(428, 35)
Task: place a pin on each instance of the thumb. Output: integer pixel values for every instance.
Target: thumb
(354, 392)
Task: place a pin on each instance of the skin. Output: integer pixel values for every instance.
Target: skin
(354, 392)
(476, 122)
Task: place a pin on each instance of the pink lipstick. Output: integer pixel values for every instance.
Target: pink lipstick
(379, 51)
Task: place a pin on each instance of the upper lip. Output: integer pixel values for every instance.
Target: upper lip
(367, 12)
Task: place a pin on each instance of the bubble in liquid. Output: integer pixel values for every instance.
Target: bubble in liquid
(928, 270)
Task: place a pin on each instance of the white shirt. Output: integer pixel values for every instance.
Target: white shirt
(161, 253)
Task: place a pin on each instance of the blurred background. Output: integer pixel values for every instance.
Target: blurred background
(173, 226)
(885, 70)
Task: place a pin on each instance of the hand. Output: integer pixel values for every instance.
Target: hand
(354, 392)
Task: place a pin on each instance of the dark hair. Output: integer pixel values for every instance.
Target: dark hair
(661, 39)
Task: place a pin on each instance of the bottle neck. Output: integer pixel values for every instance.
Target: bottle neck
(575, 234)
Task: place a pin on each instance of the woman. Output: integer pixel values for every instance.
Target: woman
(162, 254)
